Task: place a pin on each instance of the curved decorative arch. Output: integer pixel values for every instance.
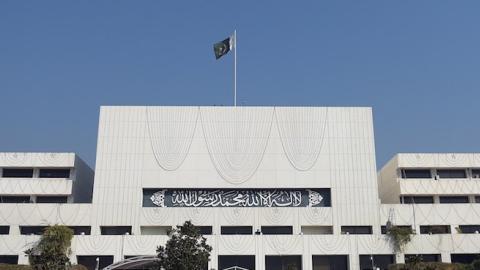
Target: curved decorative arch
(171, 133)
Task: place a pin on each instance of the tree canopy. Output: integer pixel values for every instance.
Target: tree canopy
(186, 249)
(52, 250)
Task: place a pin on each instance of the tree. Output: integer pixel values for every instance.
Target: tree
(185, 250)
(400, 236)
(52, 250)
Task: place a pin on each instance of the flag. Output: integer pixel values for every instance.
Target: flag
(223, 47)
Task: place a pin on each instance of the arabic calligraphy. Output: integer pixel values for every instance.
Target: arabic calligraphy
(236, 198)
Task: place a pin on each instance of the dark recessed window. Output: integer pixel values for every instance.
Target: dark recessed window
(465, 258)
(469, 228)
(453, 199)
(54, 173)
(329, 262)
(450, 173)
(416, 173)
(280, 262)
(277, 229)
(357, 229)
(477, 199)
(51, 199)
(27, 230)
(79, 230)
(4, 230)
(384, 228)
(435, 229)
(422, 257)
(476, 173)
(17, 173)
(115, 230)
(416, 199)
(376, 261)
(243, 261)
(236, 230)
(205, 230)
(15, 199)
(8, 259)
(91, 261)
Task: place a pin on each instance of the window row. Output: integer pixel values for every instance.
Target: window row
(29, 173)
(33, 199)
(245, 230)
(441, 199)
(440, 173)
(275, 262)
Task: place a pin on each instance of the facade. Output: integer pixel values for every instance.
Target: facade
(269, 187)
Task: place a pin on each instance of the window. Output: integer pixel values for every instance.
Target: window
(422, 257)
(155, 230)
(283, 262)
(475, 173)
(416, 199)
(15, 199)
(27, 230)
(416, 173)
(51, 199)
(4, 230)
(17, 173)
(54, 173)
(357, 229)
(244, 261)
(115, 230)
(465, 258)
(376, 261)
(383, 229)
(79, 230)
(236, 230)
(477, 199)
(205, 230)
(315, 230)
(277, 230)
(451, 173)
(453, 199)
(469, 228)
(91, 261)
(330, 262)
(9, 259)
(435, 229)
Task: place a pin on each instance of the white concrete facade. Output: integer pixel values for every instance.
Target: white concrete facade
(233, 148)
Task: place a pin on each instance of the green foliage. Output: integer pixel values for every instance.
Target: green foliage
(14, 267)
(52, 250)
(185, 250)
(400, 236)
(476, 264)
(427, 266)
(78, 267)
(28, 267)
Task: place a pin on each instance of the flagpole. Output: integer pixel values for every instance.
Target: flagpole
(235, 69)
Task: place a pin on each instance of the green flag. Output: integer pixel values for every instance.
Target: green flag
(223, 47)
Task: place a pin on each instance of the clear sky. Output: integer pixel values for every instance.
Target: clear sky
(417, 63)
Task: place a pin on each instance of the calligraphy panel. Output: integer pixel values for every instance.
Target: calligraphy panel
(319, 197)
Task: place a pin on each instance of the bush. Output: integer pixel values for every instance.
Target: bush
(14, 267)
(428, 266)
(78, 267)
(28, 267)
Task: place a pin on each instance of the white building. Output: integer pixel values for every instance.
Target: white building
(270, 188)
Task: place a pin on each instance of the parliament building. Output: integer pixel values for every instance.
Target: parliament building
(271, 188)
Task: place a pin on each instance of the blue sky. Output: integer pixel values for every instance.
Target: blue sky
(417, 63)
